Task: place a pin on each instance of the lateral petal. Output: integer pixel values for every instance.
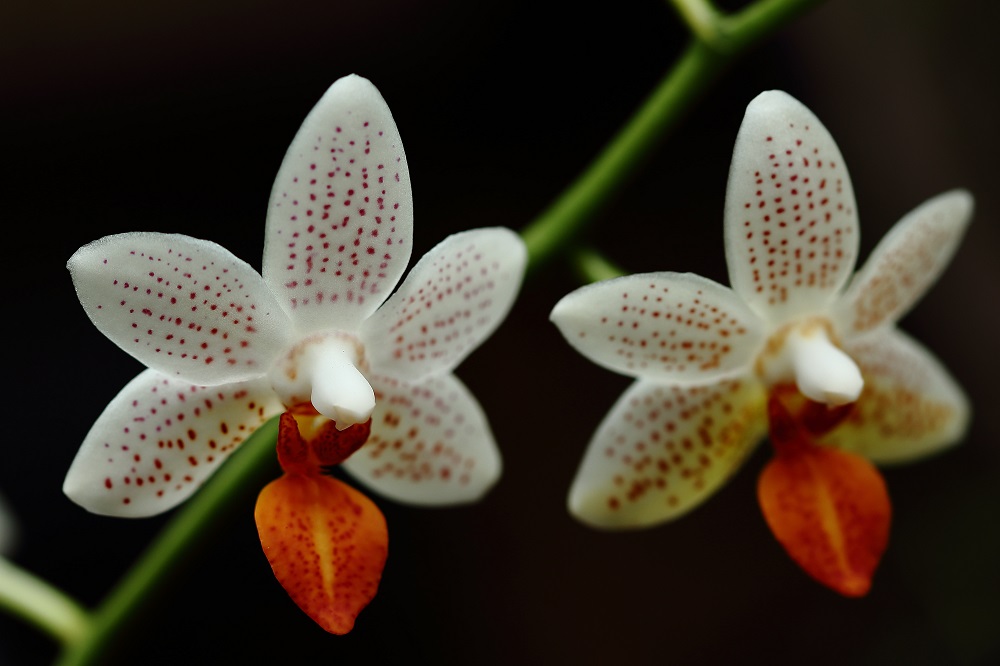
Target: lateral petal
(340, 218)
(326, 543)
(791, 226)
(662, 450)
(159, 440)
(910, 406)
(430, 444)
(183, 306)
(452, 300)
(905, 264)
(675, 327)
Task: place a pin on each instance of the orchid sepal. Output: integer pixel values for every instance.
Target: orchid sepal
(340, 217)
(183, 306)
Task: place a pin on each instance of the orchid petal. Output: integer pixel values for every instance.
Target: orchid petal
(791, 228)
(910, 406)
(828, 508)
(452, 300)
(159, 439)
(661, 326)
(663, 450)
(430, 444)
(905, 263)
(340, 219)
(183, 306)
(327, 544)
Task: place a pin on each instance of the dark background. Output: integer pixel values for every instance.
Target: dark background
(174, 116)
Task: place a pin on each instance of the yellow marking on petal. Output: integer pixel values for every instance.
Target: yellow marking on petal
(308, 443)
(910, 406)
(326, 543)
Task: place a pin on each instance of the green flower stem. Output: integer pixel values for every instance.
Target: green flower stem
(592, 266)
(243, 475)
(702, 18)
(30, 598)
(696, 69)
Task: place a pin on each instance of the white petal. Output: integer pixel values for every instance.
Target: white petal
(662, 326)
(451, 301)
(910, 407)
(340, 219)
(186, 307)
(430, 444)
(791, 227)
(905, 264)
(159, 439)
(663, 450)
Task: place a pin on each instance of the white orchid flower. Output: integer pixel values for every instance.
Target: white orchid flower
(228, 348)
(706, 358)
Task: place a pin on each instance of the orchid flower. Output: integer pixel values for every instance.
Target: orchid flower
(228, 349)
(794, 346)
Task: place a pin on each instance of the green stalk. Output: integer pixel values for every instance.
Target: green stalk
(697, 68)
(32, 599)
(244, 473)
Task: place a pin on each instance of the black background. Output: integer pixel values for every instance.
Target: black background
(174, 116)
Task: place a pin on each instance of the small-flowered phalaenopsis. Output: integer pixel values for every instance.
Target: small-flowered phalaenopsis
(792, 348)
(227, 349)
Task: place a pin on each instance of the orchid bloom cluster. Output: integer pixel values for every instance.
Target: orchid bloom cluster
(228, 349)
(797, 348)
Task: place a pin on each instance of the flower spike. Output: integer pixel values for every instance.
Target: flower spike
(794, 331)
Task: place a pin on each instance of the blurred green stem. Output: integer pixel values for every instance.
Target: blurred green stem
(699, 65)
(592, 266)
(717, 41)
(244, 474)
(30, 598)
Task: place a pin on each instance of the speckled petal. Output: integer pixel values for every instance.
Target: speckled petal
(663, 450)
(430, 444)
(340, 221)
(828, 508)
(326, 543)
(664, 326)
(910, 406)
(451, 301)
(158, 441)
(186, 307)
(791, 227)
(904, 264)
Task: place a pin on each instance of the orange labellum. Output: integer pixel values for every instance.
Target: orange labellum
(828, 508)
(327, 544)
